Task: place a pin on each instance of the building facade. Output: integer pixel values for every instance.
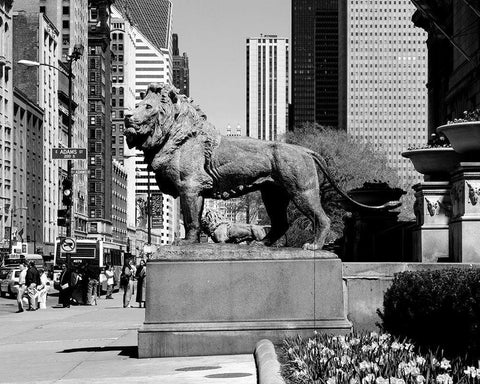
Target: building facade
(315, 62)
(71, 19)
(386, 80)
(453, 47)
(181, 74)
(99, 121)
(28, 172)
(6, 119)
(119, 203)
(36, 39)
(267, 87)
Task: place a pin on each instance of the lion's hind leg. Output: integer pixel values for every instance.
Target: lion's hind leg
(308, 202)
(276, 202)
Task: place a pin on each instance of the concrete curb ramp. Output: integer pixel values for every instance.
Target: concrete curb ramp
(268, 367)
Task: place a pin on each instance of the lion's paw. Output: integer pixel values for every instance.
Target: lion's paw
(311, 247)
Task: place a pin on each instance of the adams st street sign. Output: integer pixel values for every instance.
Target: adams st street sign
(69, 153)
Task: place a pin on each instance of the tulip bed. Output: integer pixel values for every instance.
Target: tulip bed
(369, 358)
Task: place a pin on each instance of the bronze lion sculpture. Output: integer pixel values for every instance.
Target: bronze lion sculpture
(223, 231)
(191, 160)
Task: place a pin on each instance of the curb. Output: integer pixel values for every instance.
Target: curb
(268, 367)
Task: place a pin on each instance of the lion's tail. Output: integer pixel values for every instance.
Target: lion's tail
(323, 167)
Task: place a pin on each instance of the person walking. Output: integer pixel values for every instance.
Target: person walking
(66, 287)
(109, 274)
(32, 281)
(42, 289)
(21, 286)
(126, 281)
(141, 283)
(92, 274)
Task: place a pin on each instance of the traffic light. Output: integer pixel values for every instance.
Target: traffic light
(67, 192)
(63, 217)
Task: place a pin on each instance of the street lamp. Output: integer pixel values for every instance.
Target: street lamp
(74, 56)
(12, 210)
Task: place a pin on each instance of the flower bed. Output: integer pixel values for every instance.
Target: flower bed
(368, 358)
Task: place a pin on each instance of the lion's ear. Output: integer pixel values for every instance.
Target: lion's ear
(173, 96)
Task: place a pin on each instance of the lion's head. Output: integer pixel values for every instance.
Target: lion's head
(211, 220)
(163, 114)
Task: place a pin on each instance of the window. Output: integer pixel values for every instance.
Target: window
(114, 90)
(93, 14)
(66, 10)
(92, 107)
(92, 90)
(92, 120)
(66, 24)
(92, 63)
(92, 76)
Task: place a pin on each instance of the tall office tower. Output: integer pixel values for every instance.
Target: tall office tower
(99, 125)
(153, 64)
(6, 121)
(36, 39)
(119, 203)
(71, 19)
(386, 78)
(123, 97)
(181, 75)
(315, 62)
(28, 170)
(267, 87)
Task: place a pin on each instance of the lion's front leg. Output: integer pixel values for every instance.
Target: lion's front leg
(192, 207)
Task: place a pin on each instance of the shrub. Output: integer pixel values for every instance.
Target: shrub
(368, 359)
(436, 308)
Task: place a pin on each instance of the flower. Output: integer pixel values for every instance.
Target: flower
(445, 364)
(396, 346)
(381, 380)
(471, 371)
(420, 360)
(444, 379)
(368, 379)
(332, 380)
(420, 379)
(364, 365)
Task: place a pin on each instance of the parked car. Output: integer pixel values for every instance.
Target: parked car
(4, 273)
(9, 285)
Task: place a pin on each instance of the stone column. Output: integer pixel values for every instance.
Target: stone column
(465, 222)
(432, 210)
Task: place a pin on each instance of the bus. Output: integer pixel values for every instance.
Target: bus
(92, 251)
(14, 259)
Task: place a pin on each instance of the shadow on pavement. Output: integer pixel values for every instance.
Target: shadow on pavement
(129, 351)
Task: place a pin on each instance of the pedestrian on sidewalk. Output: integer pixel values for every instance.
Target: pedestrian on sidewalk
(32, 281)
(66, 286)
(141, 283)
(21, 286)
(42, 289)
(110, 281)
(92, 273)
(126, 281)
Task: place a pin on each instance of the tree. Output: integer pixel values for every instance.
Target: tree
(351, 164)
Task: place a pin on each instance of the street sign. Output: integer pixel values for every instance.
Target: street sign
(69, 153)
(68, 245)
(156, 202)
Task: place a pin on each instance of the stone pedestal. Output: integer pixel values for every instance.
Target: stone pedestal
(432, 210)
(210, 299)
(465, 222)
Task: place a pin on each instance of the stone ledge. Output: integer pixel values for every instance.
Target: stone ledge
(232, 252)
(268, 367)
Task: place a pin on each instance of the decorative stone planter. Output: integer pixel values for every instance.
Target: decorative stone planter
(464, 137)
(374, 194)
(435, 163)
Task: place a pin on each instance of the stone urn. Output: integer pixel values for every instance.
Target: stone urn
(463, 136)
(435, 163)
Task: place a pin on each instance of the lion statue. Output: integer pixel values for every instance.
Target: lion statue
(223, 231)
(191, 160)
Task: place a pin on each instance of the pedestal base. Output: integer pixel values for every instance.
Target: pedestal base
(211, 299)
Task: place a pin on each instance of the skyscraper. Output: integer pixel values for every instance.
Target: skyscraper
(267, 87)
(315, 62)
(386, 79)
(99, 120)
(153, 64)
(181, 75)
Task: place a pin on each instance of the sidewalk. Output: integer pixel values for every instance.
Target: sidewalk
(98, 344)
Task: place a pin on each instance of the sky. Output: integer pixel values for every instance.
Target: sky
(213, 33)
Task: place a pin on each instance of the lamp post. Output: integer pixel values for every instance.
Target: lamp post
(12, 210)
(74, 56)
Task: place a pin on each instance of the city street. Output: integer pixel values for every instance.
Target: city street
(97, 344)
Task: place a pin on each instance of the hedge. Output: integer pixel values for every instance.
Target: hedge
(435, 309)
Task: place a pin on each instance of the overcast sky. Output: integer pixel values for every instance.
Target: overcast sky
(213, 34)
